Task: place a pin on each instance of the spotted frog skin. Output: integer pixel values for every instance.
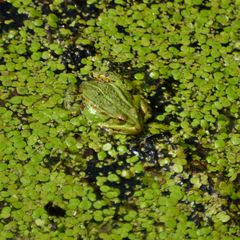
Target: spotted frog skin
(108, 103)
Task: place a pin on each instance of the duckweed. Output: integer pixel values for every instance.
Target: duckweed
(63, 179)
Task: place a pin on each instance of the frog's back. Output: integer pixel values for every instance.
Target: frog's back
(107, 97)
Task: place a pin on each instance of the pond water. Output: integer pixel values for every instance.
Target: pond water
(63, 177)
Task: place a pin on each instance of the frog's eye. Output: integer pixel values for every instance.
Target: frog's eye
(122, 117)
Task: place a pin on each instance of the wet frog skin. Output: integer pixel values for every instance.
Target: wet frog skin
(109, 104)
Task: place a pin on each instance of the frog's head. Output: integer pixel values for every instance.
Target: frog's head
(130, 123)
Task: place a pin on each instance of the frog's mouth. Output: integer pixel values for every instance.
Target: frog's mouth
(130, 128)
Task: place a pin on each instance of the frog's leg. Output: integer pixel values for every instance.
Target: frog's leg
(143, 105)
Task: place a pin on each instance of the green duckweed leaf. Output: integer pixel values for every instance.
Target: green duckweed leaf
(219, 143)
(235, 139)
(52, 20)
(223, 217)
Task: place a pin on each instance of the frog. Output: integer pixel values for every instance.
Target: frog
(107, 101)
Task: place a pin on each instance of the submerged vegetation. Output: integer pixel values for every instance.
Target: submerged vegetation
(61, 178)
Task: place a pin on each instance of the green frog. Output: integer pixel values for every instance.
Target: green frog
(107, 101)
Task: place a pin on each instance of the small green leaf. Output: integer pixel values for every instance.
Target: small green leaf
(220, 143)
(235, 139)
(223, 217)
(52, 20)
